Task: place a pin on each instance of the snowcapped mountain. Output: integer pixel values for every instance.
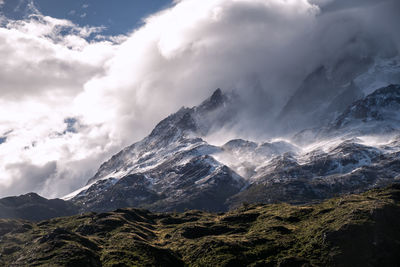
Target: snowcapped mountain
(327, 91)
(178, 134)
(171, 169)
(376, 113)
(325, 170)
(381, 73)
(355, 152)
(174, 168)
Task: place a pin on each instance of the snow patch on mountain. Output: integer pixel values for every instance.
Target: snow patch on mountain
(176, 168)
(382, 73)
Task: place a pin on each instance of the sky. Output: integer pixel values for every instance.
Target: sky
(116, 17)
(80, 80)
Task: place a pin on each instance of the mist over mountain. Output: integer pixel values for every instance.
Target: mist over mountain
(213, 132)
(291, 65)
(176, 168)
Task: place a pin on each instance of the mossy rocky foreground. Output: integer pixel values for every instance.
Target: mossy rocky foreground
(354, 230)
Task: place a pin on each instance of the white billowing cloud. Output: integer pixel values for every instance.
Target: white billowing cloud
(261, 48)
(118, 88)
(42, 72)
(36, 58)
(180, 56)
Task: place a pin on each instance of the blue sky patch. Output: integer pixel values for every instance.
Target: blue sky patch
(118, 17)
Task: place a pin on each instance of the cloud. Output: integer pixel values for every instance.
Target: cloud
(38, 176)
(117, 88)
(330, 5)
(37, 60)
(45, 64)
(262, 49)
(223, 44)
(27, 7)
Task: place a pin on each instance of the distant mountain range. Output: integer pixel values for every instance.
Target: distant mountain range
(353, 148)
(33, 207)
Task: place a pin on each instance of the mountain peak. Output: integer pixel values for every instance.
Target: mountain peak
(217, 94)
(216, 100)
(32, 197)
(183, 128)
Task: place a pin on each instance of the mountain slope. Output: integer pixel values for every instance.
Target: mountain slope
(356, 152)
(379, 110)
(174, 168)
(355, 230)
(324, 93)
(35, 208)
(171, 169)
(329, 169)
(328, 90)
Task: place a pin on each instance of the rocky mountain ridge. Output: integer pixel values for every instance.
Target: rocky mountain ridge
(174, 168)
(171, 169)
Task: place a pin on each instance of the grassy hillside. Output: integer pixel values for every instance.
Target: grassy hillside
(355, 230)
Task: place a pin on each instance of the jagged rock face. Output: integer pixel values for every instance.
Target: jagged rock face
(179, 131)
(171, 169)
(375, 114)
(381, 106)
(34, 208)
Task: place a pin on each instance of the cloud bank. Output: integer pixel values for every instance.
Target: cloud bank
(70, 97)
